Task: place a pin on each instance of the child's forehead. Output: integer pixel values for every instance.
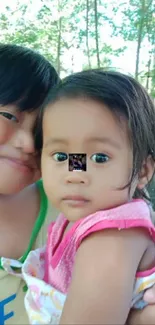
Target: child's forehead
(81, 112)
(85, 121)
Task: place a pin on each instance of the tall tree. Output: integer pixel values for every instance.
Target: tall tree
(140, 26)
(133, 25)
(59, 22)
(87, 33)
(96, 33)
(152, 74)
(150, 28)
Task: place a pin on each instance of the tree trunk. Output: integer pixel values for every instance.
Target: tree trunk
(87, 33)
(59, 40)
(72, 63)
(96, 34)
(153, 75)
(140, 30)
(143, 20)
(148, 73)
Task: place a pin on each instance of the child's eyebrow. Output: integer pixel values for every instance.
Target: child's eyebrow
(104, 140)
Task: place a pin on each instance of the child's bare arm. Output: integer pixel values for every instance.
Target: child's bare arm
(146, 315)
(103, 278)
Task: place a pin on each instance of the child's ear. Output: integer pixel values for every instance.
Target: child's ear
(146, 172)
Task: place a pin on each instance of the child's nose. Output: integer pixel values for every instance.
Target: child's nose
(77, 177)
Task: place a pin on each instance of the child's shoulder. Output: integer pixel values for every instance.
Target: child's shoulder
(133, 219)
(130, 215)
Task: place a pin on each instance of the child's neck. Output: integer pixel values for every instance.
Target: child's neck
(69, 226)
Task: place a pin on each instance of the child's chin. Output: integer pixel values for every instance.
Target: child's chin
(74, 216)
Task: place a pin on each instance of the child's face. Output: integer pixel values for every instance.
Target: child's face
(85, 126)
(18, 163)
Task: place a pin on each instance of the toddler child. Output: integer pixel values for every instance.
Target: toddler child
(100, 256)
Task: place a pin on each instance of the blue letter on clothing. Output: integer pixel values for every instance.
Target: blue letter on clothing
(4, 302)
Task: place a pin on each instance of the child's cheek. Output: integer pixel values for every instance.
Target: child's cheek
(6, 130)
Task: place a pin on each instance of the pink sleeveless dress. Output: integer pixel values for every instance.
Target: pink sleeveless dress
(48, 271)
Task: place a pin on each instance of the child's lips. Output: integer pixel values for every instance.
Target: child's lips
(76, 200)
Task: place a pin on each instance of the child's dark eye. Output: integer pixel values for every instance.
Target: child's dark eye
(99, 158)
(9, 116)
(60, 156)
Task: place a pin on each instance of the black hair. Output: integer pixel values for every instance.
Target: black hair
(125, 97)
(26, 78)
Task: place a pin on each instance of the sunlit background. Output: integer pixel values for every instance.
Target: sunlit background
(77, 34)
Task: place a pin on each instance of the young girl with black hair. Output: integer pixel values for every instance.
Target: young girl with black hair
(100, 253)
